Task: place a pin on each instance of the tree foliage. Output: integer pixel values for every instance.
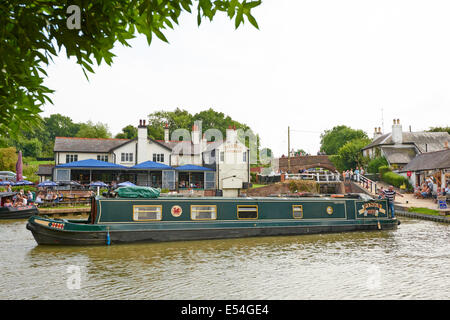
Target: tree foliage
(332, 140)
(440, 129)
(182, 119)
(128, 132)
(33, 32)
(349, 156)
(8, 159)
(39, 141)
(91, 130)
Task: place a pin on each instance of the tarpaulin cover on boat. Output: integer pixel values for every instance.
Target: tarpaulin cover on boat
(138, 192)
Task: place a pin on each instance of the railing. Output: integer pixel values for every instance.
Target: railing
(318, 177)
(365, 183)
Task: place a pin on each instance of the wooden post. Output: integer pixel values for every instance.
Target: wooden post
(289, 150)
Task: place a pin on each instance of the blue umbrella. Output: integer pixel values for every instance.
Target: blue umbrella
(47, 183)
(23, 183)
(98, 184)
(126, 184)
(5, 183)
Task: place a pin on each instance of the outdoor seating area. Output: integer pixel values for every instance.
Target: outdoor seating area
(49, 198)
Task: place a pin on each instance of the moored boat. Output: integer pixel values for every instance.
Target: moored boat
(128, 220)
(19, 212)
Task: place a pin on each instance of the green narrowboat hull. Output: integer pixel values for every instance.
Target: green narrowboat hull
(115, 221)
(22, 212)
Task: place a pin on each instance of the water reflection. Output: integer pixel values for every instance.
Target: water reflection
(407, 263)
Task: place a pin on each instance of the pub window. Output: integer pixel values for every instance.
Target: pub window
(126, 157)
(203, 212)
(158, 157)
(71, 158)
(247, 212)
(297, 211)
(147, 213)
(222, 156)
(244, 157)
(102, 157)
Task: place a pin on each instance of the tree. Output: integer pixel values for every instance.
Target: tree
(8, 159)
(178, 119)
(58, 125)
(129, 132)
(91, 130)
(349, 156)
(182, 119)
(439, 129)
(212, 119)
(33, 32)
(332, 140)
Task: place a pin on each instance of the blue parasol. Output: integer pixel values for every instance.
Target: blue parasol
(47, 183)
(126, 184)
(23, 183)
(98, 184)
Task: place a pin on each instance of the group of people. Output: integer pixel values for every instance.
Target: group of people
(427, 190)
(353, 174)
(20, 199)
(50, 196)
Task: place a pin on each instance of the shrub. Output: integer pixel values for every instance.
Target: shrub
(24, 188)
(303, 186)
(396, 180)
(383, 170)
(375, 164)
(164, 190)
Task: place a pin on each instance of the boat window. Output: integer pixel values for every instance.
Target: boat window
(247, 212)
(297, 211)
(146, 213)
(203, 212)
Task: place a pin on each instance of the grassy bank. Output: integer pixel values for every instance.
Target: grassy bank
(424, 211)
(254, 186)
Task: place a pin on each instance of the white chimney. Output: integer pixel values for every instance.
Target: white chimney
(397, 134)
(377, 133)
(231, 134)
(166, 133)
(195, 135)
(141, 141)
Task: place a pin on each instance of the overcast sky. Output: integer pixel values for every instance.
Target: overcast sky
(312, 65)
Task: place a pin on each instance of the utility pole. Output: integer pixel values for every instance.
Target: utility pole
(289, 150)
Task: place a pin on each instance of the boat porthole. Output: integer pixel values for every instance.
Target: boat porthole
(176, 211)
(329, 210)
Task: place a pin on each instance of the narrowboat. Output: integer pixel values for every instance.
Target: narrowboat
(125, 220)
(20, 212)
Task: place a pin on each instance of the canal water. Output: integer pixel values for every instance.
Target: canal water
(412, 262)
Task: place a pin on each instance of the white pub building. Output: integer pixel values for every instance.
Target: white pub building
(178, 165)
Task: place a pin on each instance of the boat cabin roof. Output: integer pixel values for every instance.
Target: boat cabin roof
(357, 196)
(7, 194)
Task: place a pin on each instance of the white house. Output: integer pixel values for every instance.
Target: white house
(400, 147)
(191, 163)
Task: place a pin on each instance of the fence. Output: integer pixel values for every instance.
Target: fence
(366, 183)
(318, 177)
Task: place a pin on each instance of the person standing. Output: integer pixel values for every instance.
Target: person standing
(390, 194)
(357, 174)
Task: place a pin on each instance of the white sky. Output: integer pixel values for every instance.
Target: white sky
(312, 65)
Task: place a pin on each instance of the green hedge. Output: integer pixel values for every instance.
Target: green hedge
(375, 164)
(396, 180)
(383, 170)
